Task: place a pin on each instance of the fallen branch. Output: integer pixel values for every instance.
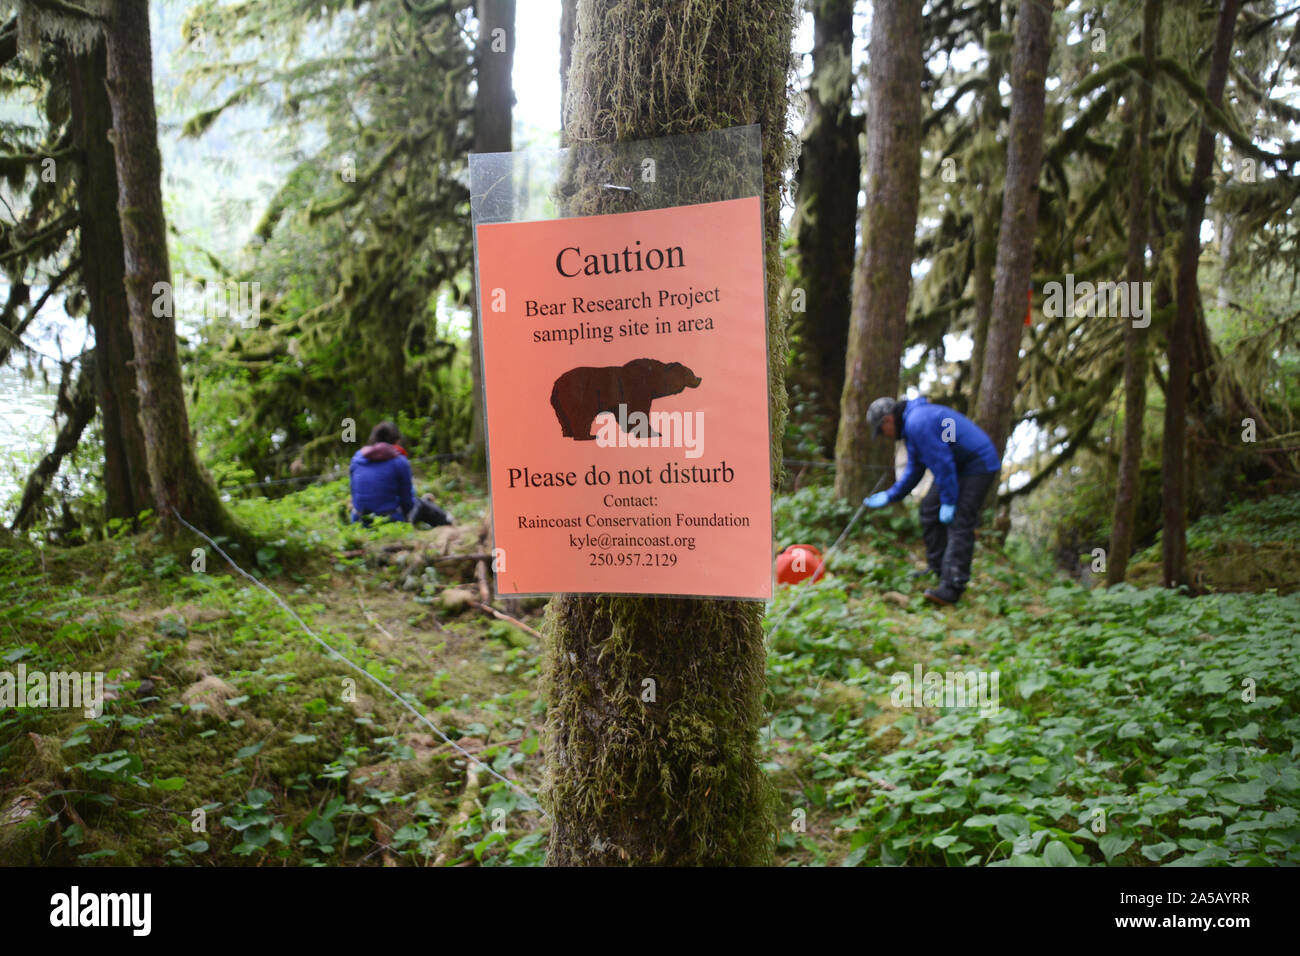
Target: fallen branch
(447, 558)
(503, 616)
(446, 848)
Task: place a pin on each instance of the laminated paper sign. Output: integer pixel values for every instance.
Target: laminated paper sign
(625, 369)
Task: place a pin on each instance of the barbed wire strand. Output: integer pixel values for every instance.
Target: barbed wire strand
(401, 700)
(360, 670)
(331, 475)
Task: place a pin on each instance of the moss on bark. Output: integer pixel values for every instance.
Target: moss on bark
(176, 478)
(667, 773)
(883, 280)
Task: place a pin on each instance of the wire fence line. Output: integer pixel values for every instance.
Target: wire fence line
(360, 670)
(329, 475)
(422, 718)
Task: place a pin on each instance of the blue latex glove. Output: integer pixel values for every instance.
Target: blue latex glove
(878, 500)
(947, 513)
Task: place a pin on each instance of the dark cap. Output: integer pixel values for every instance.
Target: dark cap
(876, 414)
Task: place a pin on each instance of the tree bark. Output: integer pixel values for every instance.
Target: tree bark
(677, 780)
(1135, 339)
(986, 244)
(1174, 452)
(176, 479)
(493, 118)
(986, 217)
(826, 210)
(126, 469)
(1019, 220)
(884, 274)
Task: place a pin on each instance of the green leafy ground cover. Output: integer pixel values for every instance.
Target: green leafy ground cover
(1134, 727)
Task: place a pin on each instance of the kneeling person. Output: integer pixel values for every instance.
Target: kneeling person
(380, 476)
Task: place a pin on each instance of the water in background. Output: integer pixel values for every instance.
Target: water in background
(27, 427)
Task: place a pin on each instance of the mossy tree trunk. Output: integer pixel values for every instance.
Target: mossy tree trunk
(676, 780)
(997, 389)
(884, 275)
(986, 210)
(1174, 452)
(826, 210)
(1135, 339)
(493, 118)
(176, 479)
(126, 468)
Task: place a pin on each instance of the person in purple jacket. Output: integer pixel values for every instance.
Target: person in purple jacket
(965, 465)
(381, 482)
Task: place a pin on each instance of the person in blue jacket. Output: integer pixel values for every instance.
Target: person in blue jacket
(965, 465)
(380, 476)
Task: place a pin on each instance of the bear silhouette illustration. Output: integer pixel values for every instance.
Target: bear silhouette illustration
(580, 394)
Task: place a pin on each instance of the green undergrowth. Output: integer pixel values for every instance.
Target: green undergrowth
(1133, 727)
(1253, 546)
(230, 737)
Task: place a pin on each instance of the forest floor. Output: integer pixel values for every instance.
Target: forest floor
(1129, 726)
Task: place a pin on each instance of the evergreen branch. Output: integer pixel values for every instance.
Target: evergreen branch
(9, 41)
(64, 224)
(201, 122)
(1072, 444)
(1099, 78)
(17, 331)
(67, 9)
(16, 161)
(357, 189)
(1220, 120)
(1068, 142)
(974, 83)
(1277, 108)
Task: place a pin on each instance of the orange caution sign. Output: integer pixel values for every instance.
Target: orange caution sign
(625, 371)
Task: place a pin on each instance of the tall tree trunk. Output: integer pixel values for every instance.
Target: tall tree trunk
(1174, 452)
(1135, 339)
(126, 468)
(1019, 220)
(986, 213)
(986, 245)
(676, 781)
(175, 476)
(884, 274)
(826, 210)
(493, 118)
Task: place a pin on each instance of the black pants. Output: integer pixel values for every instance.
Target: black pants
(429, 513)
(423, 510)
(950, 547)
